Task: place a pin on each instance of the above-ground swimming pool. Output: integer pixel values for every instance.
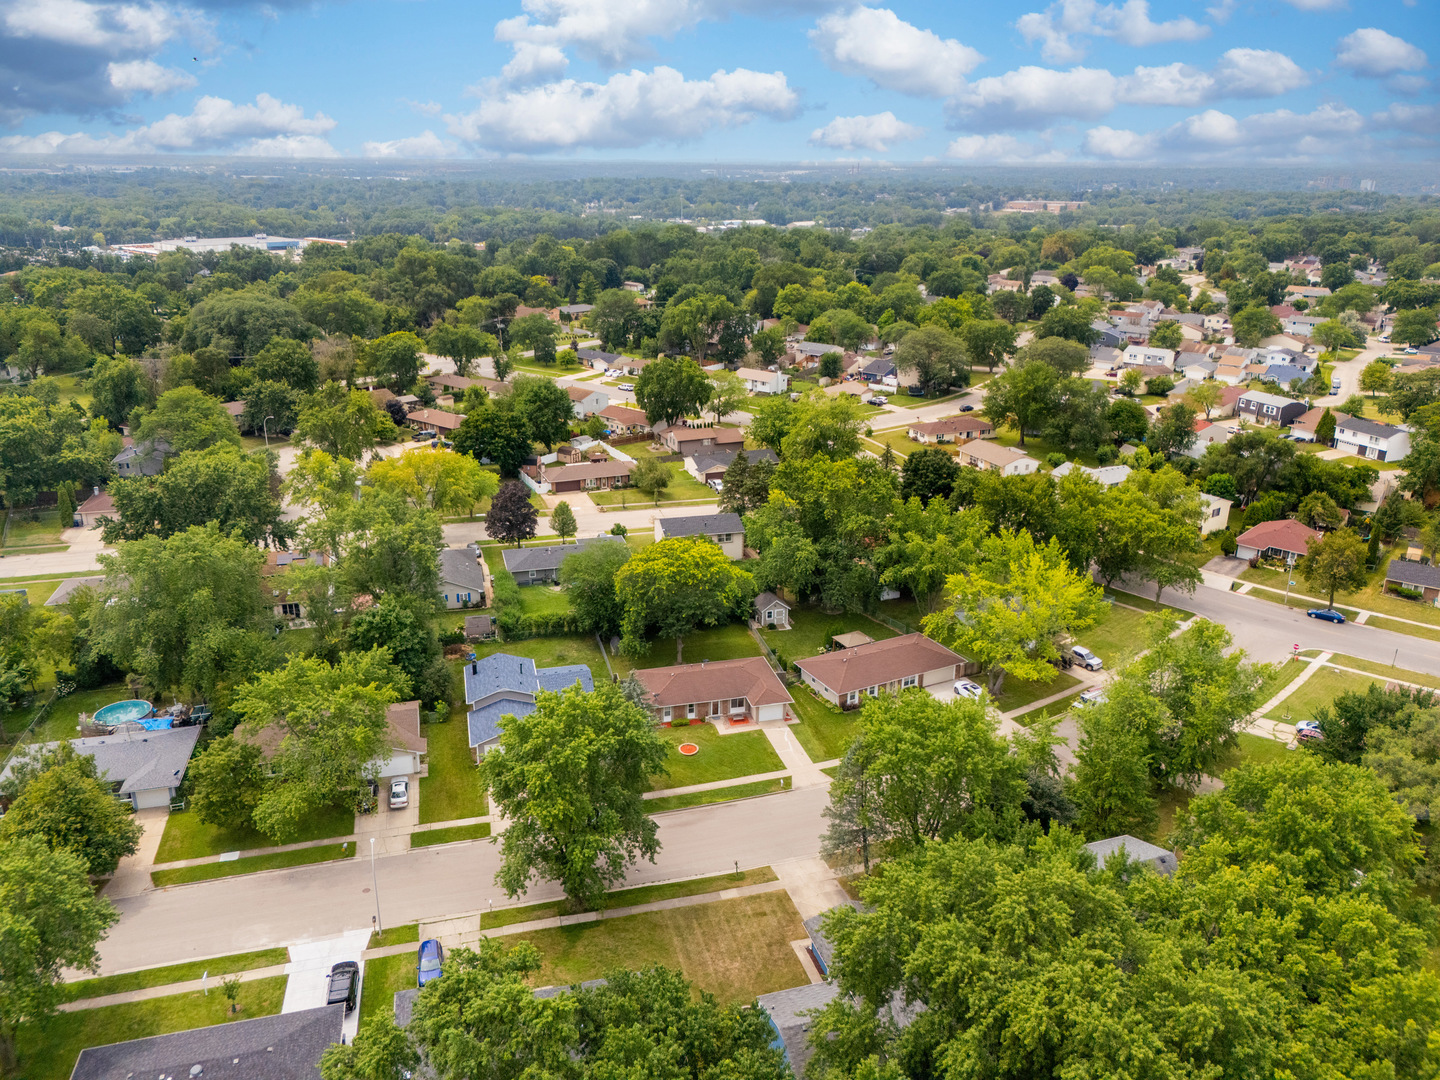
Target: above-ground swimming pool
(132, 712)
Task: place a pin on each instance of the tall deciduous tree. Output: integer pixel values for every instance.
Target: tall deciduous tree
(562, 520)
(51, 919)
(588, 577)
(570, 779)
(935, 357)
(1335, 562)
(1011, 612)
(678, 585)
(1023, 396)
(497, 435)
(987, 341)
(544, 406)
(70, 809)
(672, 387)
(511, 517)
(436, 479)
(393, 359)
(188, 419)
(342, 422)
(1112, 784)
(652, 476)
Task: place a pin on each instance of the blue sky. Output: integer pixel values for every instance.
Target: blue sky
(725, 80)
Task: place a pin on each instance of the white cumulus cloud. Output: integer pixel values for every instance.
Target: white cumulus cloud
(268, 128)
(534, 62)
(147, 77)
(892, 53)
(425, 145)
(1001, 149)
(876, 132)
(1035, 96)
(1373, 52)
(1258, 73)
(627, 110)
(1212, 134)
(1130, 24)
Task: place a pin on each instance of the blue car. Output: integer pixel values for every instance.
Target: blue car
(1328, 614)
(431, 957)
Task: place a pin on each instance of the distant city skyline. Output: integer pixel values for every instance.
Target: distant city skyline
(1301, 81)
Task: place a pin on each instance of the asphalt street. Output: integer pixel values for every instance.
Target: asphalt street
(258, 911)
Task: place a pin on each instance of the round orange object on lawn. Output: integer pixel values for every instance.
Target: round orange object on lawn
(688, 748)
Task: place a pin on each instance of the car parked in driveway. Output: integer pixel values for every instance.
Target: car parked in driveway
(879, 399)
(1326, 614)
(1093, 696)
(1309, 731)
(344, 984)
(399, 793)
(967, 689)
(1086, 659)
(432, 956)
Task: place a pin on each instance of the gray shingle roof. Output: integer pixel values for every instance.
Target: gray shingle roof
(459, 566)
(517, 680)
(769, 599)
(520, 560)
(69, 585)
(282, 1047)
(707, 460)
(141, 761)
(1161, 860)
(1369, 427)
(1418, 575)
(819, 942)
(788, 1011)
(701, 525)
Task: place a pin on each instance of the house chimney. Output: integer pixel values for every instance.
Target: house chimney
(475, 669)
(97, 489)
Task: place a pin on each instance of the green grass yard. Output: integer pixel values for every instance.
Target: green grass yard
(682, 488)
(24, 532)
(48, 1049)
(404, 934)
(187, 837)
(62, 720)
(1316, 692)
(1016, 693)
(452, 835)
(643, 894)
(555, 651)
(281, 860)
(1372, 597)
(452, 788)
(173, 973)
(725, 794)
(1281, 675)
(1119, 633)
(1055, 708)
(721, 757)
(1385, 671)
(734, 949)
(811, 629)
(383, 977)
(732, 641)
(824, 731)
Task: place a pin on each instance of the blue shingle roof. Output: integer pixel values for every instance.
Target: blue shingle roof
(484, 722)
(497, 673)
(518, 680)
(562, 678)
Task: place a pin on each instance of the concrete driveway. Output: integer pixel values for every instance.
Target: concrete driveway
(309, 971)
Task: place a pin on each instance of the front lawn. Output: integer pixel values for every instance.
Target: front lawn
(1016, 693)
(1385, 670)
(187, 837)
(824, 731)
(732, 641)
(1372, 597)
(555, 651)
(41, 531)
(1118, 634)
(450, 836)
(281, 860)
(1315, 693)
(48, 1050)
(721, 757)
(383, 977)
(682, 488)
(452, 788)
(173, 973)
(642, 894)
(1281, 675)
(811, 630)
(734, 949)
(1251, 750)
(725, 794)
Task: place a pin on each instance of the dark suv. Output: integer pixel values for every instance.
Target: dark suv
(344, 984)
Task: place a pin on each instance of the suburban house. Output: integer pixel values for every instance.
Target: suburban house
(771, 612)
(276, 563)
(763, 382)
(1368, 439)
(953, 429)
(502, 685)
(1217, 513)
(877, 369)
(1157, 858)
(534, 565)
(1108, 336)
(574, 311)
(1286, 375)
(1230, 371)
(1106, 357)
(586, 400)
(1229, 401)
(436, 420)
(1414, 575)
(1194, 366)
(808, 353)
(1269, 409)
(1207, 434)
(599, 475)
(458, 384)
(143, 768)
(1107, 475)
(480, 627)
(734, 691)
(143, 459)
(1275, 540)
(462, 577)
(1302, 429)
(1139, 355)
(686, 441)
(94, 510)
(847, 676)
(726, 530)
(601, 360)
(1006, 460)
(791, 1013)
(625, 420)
(67, 588)
(405, 747)
(286, 1046)
(709, 466)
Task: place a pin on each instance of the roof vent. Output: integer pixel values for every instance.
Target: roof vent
(196, 1070)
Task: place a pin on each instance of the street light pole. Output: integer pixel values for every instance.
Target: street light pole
(265, 427)
(1289, 569)
(375, 885)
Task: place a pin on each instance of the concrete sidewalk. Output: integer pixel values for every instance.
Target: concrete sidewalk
(716, 785)
(804, 772)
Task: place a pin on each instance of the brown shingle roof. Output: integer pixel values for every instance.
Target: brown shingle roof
(402, 731)
(1285, 535)
(878, 662)
(587, 470)
(750, 678)
(954, 425)
(623, 415)
(437, 419)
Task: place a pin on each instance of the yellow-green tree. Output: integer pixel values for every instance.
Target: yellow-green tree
(676, 586)
(436, 479)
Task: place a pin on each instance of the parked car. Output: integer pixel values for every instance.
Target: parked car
(421, 436)
(1385, 338)
(344, 984)
(437, 443)
(1309, 731)
(399, 793)
(626, 386)
(967, 689)
(1327, 614)
(432, 955)
(879, 399)
(967, 408)
(1093, 696)
(1086, 659)
(1411, 351)
(1335, 386)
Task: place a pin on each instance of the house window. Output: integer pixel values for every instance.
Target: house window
(873, 691)
(853, 697)
(908, 681)
(737, 704)
(290, 610)
(770, 615)
(723, 538)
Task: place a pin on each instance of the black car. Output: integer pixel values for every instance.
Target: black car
(967, 408)
(344, 984)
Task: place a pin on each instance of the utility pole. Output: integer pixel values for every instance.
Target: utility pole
(375, 885)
